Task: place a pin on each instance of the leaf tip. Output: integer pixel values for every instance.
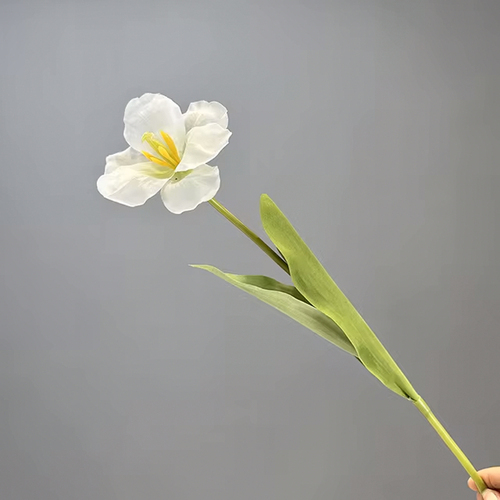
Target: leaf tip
(265, 202)
(265, 198)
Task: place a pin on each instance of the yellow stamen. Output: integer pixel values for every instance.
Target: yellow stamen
(150, 138)
(166, 155)
(171, 145)
(156, 160)
(169, 156)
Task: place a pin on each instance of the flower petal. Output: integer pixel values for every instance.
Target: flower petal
(187, 193)
(129, 185)
(202, 112)
(124, 158)
(152, 113)
(202, 145)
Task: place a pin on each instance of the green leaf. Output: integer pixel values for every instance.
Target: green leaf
(289, 301)
(313, 282)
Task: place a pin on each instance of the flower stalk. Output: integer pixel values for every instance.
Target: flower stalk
(423, 407)
(248, 232)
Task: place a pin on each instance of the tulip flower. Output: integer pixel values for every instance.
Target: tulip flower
(168, 153)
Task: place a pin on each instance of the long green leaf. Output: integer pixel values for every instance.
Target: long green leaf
(289, 301)
(314, 283)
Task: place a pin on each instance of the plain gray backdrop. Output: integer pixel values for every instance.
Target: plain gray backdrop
(127, 375)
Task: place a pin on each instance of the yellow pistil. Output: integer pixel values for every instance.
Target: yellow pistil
(167, 151)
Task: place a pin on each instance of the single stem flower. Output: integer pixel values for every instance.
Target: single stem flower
(168, 153)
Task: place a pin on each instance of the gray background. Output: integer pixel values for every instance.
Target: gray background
(125, 374)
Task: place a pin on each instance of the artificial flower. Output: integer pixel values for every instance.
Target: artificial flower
(168, 153)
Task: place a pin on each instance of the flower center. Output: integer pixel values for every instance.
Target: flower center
(168, 156)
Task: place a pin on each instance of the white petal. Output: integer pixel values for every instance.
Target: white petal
(129, 185)
(202, 145)
(202, 112)
(186, 194)
(152, 113)
(124, 158)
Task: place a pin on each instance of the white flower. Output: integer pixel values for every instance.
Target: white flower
(168, 153)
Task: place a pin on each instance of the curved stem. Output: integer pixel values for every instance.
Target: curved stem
(248, 232)
(452, 445)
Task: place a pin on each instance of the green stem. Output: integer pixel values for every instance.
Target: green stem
(248, 232)
(448, 440)
(419, 403)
